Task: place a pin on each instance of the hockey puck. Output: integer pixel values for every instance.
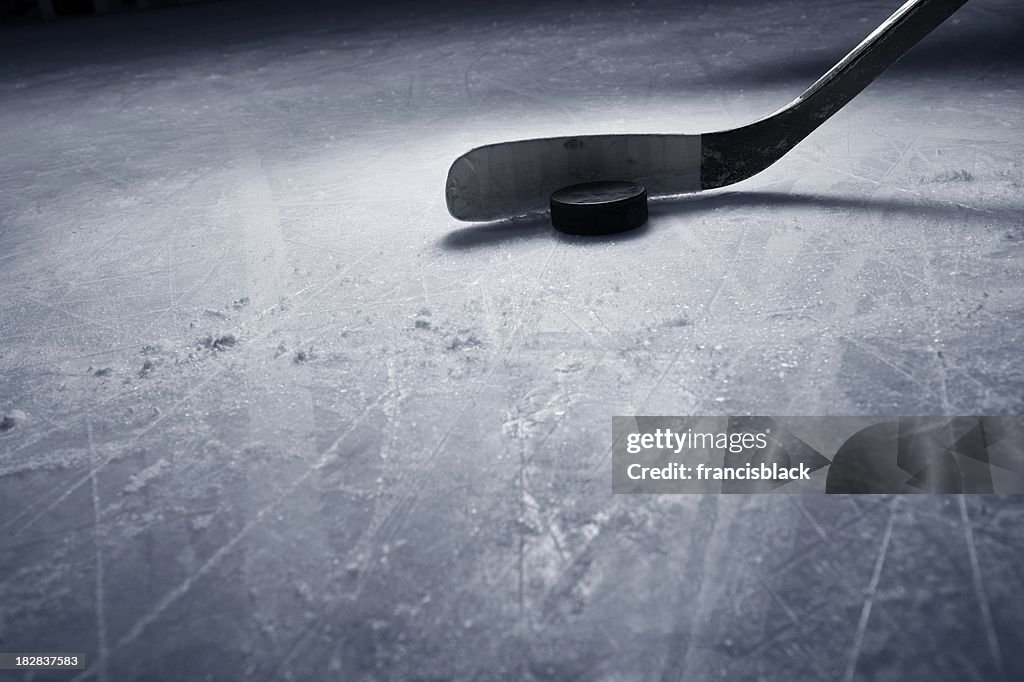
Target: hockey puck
(604, 207)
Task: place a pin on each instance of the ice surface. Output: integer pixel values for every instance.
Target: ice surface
(397, 467)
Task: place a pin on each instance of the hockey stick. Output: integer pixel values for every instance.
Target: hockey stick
(517, 178)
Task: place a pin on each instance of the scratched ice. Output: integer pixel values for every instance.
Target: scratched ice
(194, 200)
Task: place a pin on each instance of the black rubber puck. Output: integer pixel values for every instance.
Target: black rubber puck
(604, 207)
